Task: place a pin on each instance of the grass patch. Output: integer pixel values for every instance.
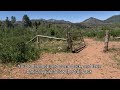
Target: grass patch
(53, 46)
(114, 49)
(117, 58)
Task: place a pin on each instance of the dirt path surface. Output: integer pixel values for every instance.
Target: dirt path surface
(92, 55)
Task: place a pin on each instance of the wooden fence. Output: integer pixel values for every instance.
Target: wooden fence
(68, 39)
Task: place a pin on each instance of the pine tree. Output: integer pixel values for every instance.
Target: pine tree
(36, 25)
(26, 21)
(13, 19)
(39, 23)
(7, 22)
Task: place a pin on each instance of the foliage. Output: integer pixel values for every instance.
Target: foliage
(7, 22)
(13, 47)
(17, 52)
(13, 19)
(26, 21)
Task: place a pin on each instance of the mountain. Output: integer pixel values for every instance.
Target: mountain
(52, 21)
(90, 22)
(93, 21)
(58, 21)
(113, 19)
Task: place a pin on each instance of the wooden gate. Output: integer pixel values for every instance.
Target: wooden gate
(76, 42)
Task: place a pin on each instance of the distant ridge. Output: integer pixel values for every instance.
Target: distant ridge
(52, 20)
(86, 23)
(113, 19)
(93, 21)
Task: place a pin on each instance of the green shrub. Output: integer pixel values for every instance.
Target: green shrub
(115, 33)
(52, 32)
(100, 34)
(18, 53)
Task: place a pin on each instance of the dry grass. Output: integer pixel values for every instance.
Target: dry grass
(116, 54)
(54, 46)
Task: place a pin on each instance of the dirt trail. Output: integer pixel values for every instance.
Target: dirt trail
(92, 54)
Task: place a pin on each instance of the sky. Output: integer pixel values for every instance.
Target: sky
(73, 16)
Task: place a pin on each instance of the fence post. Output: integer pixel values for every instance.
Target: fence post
(106, 41)
(37, 41)
(69, 40)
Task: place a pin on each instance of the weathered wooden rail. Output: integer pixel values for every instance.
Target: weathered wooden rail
(117, 37)
(37, 36)
(51, 37)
